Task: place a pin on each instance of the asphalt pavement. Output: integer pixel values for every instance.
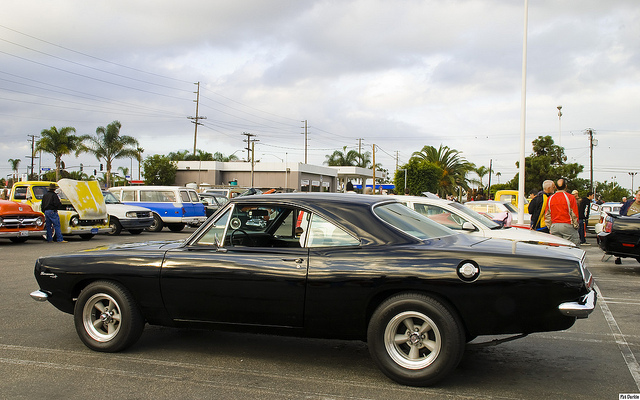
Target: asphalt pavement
(42, 357)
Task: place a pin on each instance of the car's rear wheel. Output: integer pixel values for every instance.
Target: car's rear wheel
(157, 224)
(176, 227)
(115, 226)
(415, 339)
(107, 317)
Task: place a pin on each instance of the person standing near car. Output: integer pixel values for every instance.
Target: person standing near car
(50, 206)
(584, 208)
(631, 207)
(538, 205)
(558, 214)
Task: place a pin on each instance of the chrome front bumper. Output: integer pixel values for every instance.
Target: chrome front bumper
(39, 295)
(580, 309)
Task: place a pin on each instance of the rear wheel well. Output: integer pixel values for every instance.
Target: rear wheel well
(382, 296)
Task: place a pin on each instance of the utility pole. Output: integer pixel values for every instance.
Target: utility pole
(373, 168)
(249, 142)
(592, 142)
(632, 174)
(305, 140)
(197, 118)
(33, 152)
(490, 167)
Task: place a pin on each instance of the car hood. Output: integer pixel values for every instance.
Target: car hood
(152, 245)
(86, 197)
(123, 208)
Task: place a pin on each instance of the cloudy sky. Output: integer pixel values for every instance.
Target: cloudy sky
(396, 74)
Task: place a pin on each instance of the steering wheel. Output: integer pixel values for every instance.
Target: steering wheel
(240, 241)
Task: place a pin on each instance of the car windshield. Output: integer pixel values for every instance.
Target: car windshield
(510, 207)
(109, 198)
(477, 216)
(411, 222)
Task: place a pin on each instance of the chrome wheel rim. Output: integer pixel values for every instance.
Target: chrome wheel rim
(101, 317)
(412, 340)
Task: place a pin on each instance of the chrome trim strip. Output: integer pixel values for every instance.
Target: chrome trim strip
(580, 309)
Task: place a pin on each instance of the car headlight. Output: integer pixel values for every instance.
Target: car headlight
(105, 221)
(131, 214)
(74, 221)
(1, 221)
(39, 221)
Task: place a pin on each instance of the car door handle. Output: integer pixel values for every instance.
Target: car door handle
(298, 261)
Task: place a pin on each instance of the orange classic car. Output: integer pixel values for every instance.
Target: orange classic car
(18, 221)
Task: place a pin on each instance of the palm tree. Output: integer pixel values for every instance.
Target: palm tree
(109, 145)
(58, 143)
(125, 172)
(15, 162)
(217, 156)
(139, 151)
(343, 158)
(454, 167)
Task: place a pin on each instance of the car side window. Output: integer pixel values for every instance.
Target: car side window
(194, 197)
(184, 196)
(322, 233)
(128, 195)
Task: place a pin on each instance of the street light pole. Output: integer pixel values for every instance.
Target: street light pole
(560, 125)
(632, 174)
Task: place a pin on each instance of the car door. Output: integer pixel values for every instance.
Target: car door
(245, 268)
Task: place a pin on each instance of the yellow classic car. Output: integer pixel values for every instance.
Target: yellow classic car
(85, 212)
(512, 197)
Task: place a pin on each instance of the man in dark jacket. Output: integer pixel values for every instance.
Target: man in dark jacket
(538, 205)
(50, 206)
(584, 208)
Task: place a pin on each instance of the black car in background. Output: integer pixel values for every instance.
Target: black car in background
(620, 236)
(325, 265)
(212, 202)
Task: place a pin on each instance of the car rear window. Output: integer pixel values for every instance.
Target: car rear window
(411, 222)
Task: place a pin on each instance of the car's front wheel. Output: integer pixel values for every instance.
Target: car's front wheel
(107, 317)
(115, 226)
(157, 224)
(415, 339)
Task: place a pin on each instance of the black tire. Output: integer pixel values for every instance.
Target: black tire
(157, 224)
(176, 227)
(115, 226)
(415, 339)
(107, 317)
(86, 236)
(18, 239)
(135, 231)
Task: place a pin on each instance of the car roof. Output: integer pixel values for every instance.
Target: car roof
(351, 211)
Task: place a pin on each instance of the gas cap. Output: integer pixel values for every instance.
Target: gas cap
(468, 271)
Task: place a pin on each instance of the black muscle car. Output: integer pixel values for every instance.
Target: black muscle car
(329, 266)
(620, 236)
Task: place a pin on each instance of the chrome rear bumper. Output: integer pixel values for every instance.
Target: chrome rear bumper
(580, 309)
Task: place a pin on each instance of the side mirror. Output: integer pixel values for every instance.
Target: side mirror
(468, 226)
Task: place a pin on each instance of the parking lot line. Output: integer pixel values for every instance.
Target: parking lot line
(627, 354)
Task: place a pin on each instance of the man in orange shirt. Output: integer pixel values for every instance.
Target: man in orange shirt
(559, 206)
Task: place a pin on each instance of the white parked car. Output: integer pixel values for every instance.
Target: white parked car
(502, 211)
(612, 208)
(463, 219)
(121, 216)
